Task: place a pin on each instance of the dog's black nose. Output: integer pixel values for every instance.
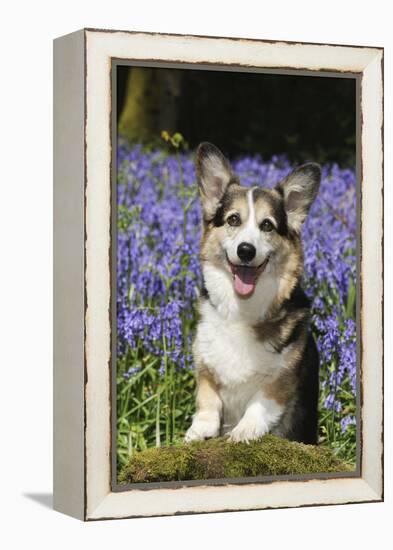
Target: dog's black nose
(246, 252)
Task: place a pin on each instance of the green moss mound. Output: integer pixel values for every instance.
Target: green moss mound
(219, 458)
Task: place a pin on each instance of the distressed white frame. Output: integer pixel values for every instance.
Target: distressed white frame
(82, 473)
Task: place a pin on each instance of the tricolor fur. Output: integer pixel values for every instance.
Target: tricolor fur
(257, 363)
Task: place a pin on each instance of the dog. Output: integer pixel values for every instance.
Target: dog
(256, 360)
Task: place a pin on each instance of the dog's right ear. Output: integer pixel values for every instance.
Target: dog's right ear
(214, 175)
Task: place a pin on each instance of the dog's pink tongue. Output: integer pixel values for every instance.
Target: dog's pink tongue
(244, 280)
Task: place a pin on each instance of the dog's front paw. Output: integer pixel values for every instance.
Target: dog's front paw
(204, 425)
(247, 430)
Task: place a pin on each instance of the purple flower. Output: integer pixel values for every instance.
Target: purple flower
(347, 421)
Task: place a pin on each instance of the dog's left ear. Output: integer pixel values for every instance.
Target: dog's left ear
(299, 190)
(214, 175)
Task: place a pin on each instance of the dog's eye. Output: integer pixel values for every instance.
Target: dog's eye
(266, 225)
(234, 220)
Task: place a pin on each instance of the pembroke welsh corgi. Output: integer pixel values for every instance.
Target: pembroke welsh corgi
(256, 359)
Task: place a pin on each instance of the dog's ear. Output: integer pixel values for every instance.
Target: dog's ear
(214, 175)
(299, 190)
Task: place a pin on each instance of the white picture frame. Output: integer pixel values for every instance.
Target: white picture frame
(82, 258)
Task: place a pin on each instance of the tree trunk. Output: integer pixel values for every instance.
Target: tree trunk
(150, 105)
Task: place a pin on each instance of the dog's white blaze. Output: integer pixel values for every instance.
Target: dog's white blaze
(241, 364)
(251, 232)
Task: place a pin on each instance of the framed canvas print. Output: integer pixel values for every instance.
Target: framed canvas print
(218, 274)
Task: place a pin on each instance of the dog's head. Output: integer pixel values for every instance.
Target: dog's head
(251, 232)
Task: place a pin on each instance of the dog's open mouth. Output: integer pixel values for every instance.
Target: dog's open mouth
(245, 277)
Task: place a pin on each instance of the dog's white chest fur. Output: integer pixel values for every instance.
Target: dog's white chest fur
(240, 362)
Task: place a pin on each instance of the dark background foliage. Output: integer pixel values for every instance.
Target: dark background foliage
(303, 117)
